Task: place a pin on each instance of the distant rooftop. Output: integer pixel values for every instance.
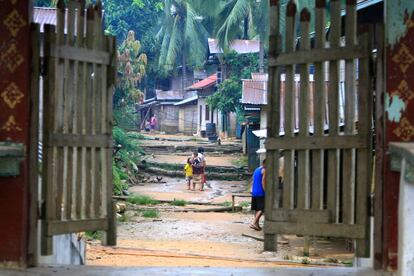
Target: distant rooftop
(203, 84)
(169, 95)
(240, 46)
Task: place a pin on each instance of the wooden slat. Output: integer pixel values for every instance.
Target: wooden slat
(273, 124)
(74, 226)
(335, 53)
(333, 110)
(68, 115)
(301, 216)
(364, 156)
(288, 189)
(80, 140)
(48, 153)
(58, 154)
(97, 110)
(110, 235)
(34, 145)
(351, 231)
(90, 153)
(319, 100)
(303, 195)
(81, 54)
(317, 142)
(348, 170)
(80, 19)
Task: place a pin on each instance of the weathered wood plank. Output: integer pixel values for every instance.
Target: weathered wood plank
(73, 226)
(301, 216)
(364, 156)
(303, 196)
(48, 154)
(79, 108)
(34, 145)
(335, 53)
(79, 140)
(288, 189)
(352, 231)
(317, 142)
(333, 111)
(319, 100)
(81, 54)
(348, 170)
(273, 122)
(110, 235)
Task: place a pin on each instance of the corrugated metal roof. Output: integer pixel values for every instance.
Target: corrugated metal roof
(238, 45)
(188, 100)
(203, 84)
(43, 16)
(169, 95)
(254, 91)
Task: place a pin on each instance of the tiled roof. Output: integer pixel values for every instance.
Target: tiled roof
(207, 82)
(238, 45)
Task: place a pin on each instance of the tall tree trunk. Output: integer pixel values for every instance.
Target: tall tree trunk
(246, 28)
(261, 55)
(184, 72)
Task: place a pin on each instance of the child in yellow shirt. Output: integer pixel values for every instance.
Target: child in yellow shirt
(188, 170)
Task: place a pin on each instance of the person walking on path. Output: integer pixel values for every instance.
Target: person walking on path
(188, 170)
(203, 162)
(258, 195)
(153, 123)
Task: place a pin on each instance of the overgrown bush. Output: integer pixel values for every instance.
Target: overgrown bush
(151, 214)
(126, 156)
(178, 202)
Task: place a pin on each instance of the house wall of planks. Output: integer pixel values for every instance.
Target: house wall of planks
(79, 75)
(327, 171)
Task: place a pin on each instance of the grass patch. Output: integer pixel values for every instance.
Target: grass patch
(123, 218)
(178, 202)
(348, 263)
(94, 235)
(240, 162)
(151, 214)
(226, 203)
(142, 200)
(305, 261)
(331, 260)
(244, 204)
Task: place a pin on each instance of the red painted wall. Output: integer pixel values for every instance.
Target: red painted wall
(399, 125)
(14, 125)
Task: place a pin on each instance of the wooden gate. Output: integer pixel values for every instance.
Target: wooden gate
(79, 74)
(327, 152)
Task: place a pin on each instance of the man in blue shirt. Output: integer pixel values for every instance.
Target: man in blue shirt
(258, 195)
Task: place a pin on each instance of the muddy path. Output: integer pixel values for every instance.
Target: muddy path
(175, 238)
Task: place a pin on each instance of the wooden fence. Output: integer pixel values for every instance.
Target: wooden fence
(79, 75)
(327, 177)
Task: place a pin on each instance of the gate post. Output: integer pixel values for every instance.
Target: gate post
(14, 127)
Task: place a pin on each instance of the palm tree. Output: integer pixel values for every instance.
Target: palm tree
(244, 18)
(183, 36)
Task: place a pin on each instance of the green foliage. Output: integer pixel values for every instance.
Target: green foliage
(151, 214)
(305, 261)
(178, 202)
(131, 70)
(182, 36)
(227, 98)
(123, 218)
(226, 203)
(94, 235)
(142, 200)
(240, 162)
(244, 204)
(125, 159)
